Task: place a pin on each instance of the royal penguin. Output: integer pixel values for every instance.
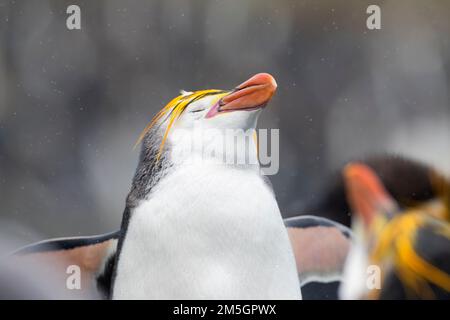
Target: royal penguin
(200, 220)
(398, 252)
(195, 225)
(407, 180)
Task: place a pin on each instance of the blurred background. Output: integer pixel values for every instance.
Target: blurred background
(72, 103)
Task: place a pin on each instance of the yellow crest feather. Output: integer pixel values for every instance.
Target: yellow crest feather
(174, 109)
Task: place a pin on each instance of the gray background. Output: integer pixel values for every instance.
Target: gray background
(72, 103)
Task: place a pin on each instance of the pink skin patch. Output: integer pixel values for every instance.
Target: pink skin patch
(213, 111)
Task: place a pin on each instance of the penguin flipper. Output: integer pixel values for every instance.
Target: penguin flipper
(320, 247)
(92, 257)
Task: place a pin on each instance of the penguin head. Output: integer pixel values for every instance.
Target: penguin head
(206, 118)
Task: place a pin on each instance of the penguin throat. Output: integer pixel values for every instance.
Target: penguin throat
(230, 147)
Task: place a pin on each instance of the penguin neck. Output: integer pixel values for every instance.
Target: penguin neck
(226, 148)
(223, 147)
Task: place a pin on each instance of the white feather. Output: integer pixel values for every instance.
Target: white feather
(185, 93)
(354, 278)
(199, 237)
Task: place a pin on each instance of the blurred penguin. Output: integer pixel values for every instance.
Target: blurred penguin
(406, 246)
(408, 181)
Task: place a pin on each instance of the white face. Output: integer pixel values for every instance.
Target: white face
(194, 116)
(226, 137)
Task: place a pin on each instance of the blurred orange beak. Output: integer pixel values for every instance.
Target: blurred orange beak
(253, 94)
(366, 193)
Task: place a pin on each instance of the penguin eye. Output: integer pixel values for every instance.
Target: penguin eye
(198, 110)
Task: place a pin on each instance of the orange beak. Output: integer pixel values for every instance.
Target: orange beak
(365, 192)
(253, 94)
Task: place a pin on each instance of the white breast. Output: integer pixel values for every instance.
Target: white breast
(207, 232)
